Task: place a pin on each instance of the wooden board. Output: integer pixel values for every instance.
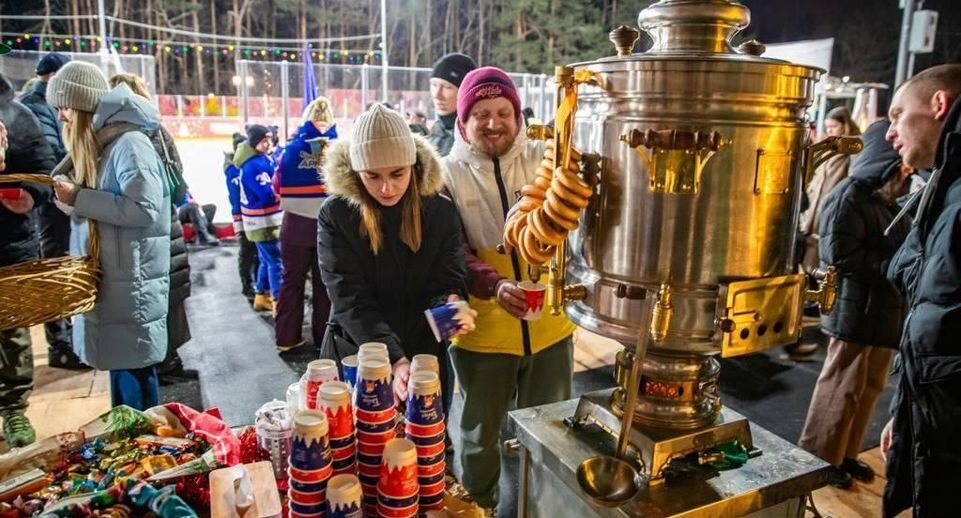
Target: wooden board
(266, 497)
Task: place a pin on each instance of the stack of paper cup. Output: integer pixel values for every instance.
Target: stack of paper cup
(344, 497)
(424, 362)
(374, 405)
(334, 400)
(397, 489)
(373, 350)
(318, 373)
(425, 428)
(310, 464)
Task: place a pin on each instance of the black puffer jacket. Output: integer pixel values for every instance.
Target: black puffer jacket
(382, 298)
(36, 100)
(441, 135)
(924, 460)
(178, 330)
(869, 309)
(27, 152)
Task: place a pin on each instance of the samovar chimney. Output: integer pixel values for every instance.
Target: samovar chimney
(693, 26)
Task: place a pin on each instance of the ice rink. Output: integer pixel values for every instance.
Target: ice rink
(203, 160)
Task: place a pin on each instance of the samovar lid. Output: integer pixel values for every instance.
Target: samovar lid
(694, 26)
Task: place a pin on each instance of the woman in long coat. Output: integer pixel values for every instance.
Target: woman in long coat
(115, 179)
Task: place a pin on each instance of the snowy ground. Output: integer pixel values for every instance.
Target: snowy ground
(203, 160)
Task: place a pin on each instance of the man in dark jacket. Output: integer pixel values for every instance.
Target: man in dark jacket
(865, 325)
(445, 82)
(52, 224)
(921, 442)
(27, 152)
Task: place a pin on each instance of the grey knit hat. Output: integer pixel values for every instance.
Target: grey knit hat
(380, 138)
(78, 86)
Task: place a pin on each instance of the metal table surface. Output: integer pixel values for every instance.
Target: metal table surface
(552, 451)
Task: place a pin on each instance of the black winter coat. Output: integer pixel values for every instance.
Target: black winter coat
(36, 100)
(869, 310)
(27, 152)
(382, 298)
(178, 329)
(924, 460)
(441, 135)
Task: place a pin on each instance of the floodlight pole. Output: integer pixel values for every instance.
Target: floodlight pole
(102, 21)
(901, 75)
(383, 48)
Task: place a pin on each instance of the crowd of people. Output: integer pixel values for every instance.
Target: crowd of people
(397, 217)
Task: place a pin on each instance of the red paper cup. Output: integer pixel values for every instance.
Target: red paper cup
(391, 512)
(368, 470)
(306, 498)
(433, 489)
(430, 451)
(375, 417)
(375, 438)
(318, 373)
(312, 476)
(431, 470)
(534, 294)
(370, 448)
(425, 430)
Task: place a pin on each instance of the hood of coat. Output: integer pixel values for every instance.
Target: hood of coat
(121, 105)
(464, 151)
(244, 153)
(948, 167)
(6, 90)
(342, 180)
(878, 161)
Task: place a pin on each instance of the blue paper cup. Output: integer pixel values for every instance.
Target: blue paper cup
(348, 367)
(442, 321)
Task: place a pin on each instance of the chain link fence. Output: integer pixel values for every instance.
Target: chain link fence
(272, 92)
(20, 66)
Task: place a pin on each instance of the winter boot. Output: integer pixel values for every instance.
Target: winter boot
(263, 302)
(17, 429)
(63, 358)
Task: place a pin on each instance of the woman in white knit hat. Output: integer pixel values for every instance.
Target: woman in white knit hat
(114, 179)
(389, 244)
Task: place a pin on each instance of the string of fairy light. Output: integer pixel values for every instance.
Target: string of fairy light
(91, 43)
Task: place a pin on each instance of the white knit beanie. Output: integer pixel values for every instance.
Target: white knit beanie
(380, 138)
(78, 86)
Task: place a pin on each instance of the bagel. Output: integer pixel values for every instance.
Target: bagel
(560, 208)
(558, 218)
(574, 184)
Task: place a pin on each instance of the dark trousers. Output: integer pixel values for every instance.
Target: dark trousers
(201, 217)
(16, 369)
(298, 253)
(136, 388)
(53, 227)
(491, 384)
(248, 264)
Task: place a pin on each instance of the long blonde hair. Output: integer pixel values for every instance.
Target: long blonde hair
(411, 226)
(81, 143)
(135, 82)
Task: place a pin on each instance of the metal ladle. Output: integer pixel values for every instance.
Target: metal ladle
(611, 481)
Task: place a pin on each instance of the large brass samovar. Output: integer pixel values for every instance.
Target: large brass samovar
(697, 154)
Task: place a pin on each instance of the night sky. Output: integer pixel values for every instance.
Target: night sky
(866, 32)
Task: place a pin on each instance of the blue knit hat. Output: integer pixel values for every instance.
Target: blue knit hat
(51, 63)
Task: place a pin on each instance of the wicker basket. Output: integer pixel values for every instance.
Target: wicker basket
(52, 289)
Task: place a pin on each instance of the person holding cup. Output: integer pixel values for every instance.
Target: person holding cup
(389, 244)
(519, 353)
